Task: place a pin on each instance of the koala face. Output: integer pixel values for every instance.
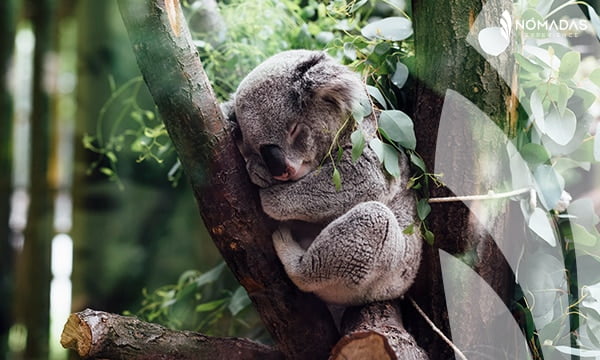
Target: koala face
(289, 109)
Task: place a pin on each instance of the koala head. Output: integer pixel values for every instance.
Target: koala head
(288, 111)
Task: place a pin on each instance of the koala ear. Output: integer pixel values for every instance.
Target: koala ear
(321, 77)
(343, 91)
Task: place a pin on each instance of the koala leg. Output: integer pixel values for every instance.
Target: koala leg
(361, 256)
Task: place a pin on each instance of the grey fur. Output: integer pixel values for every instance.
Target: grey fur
(360, 254)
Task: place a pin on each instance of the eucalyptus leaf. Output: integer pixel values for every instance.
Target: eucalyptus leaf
(239, 301)
(561, 128)
(549, 184)
(569, 65)
(390, 160)
(358, 144)
(527, 65)
(540, 225)
(393, 28)
(423, 209)
(537, 109)
(210, 306)
(211, 276)
(349, 51)
(336, 178)
(399, 127)
(429, 237)
(418, 162)
(582, 237)
(377, 95)
(400, 75)
(535, 154)
(587, 97)
(377, 146)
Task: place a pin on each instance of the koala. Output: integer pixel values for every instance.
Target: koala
(348, 246)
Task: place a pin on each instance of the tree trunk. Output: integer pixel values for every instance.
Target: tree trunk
(8, 19)
(301, 324)
(445, 61)
(33, 267)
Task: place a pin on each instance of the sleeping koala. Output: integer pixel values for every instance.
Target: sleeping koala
(288, 111)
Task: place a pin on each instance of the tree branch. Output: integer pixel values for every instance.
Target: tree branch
(375, 331)
(96, 334)
(299, 323)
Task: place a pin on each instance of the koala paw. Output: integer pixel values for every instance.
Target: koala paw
(283, 239)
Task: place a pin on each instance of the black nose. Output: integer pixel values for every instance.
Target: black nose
(274, 159)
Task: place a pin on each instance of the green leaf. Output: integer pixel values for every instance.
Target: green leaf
(211, 276)
(362, 109)
(349, 51)
(535, 154)
(399, 127)
(540, 225)
(595, 77)
(337, 179)
(569, 65)
(429, 237)
(107, 171)
(210, 306)
(561, 128)
(537, 109)
(400, 75)
(390, 160)
(582, 237)
(588, 97)
(549, 185)
(239, 301)
(358, 144)
(377, 95)
(423, 209)
(111, 156)
(409, 230)
(377, 146)
(564, 94)
(393, 28)
(418, 162)
(527, 65)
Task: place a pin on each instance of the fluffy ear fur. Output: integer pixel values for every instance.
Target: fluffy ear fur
(320, 77)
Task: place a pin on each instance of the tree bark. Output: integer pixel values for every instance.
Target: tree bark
(96, 334)
(301, 324)
(33, 264)
(8, 19)
(375, 331)
(444, 60)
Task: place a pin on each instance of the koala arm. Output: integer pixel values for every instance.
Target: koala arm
(314, 197)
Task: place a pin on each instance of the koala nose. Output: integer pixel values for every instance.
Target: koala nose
(274, 158)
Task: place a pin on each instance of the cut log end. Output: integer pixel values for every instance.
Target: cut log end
(77, 336)
(363, 345)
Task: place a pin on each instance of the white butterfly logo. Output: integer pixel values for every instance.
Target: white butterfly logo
(495, 40)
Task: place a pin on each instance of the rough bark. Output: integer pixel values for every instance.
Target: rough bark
(375, 331)
(299, 323)
(33, 263)
(8, 17)
(444, 60)
(96, 334)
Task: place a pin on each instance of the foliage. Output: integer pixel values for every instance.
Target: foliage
(552, 147)
(203, 302)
